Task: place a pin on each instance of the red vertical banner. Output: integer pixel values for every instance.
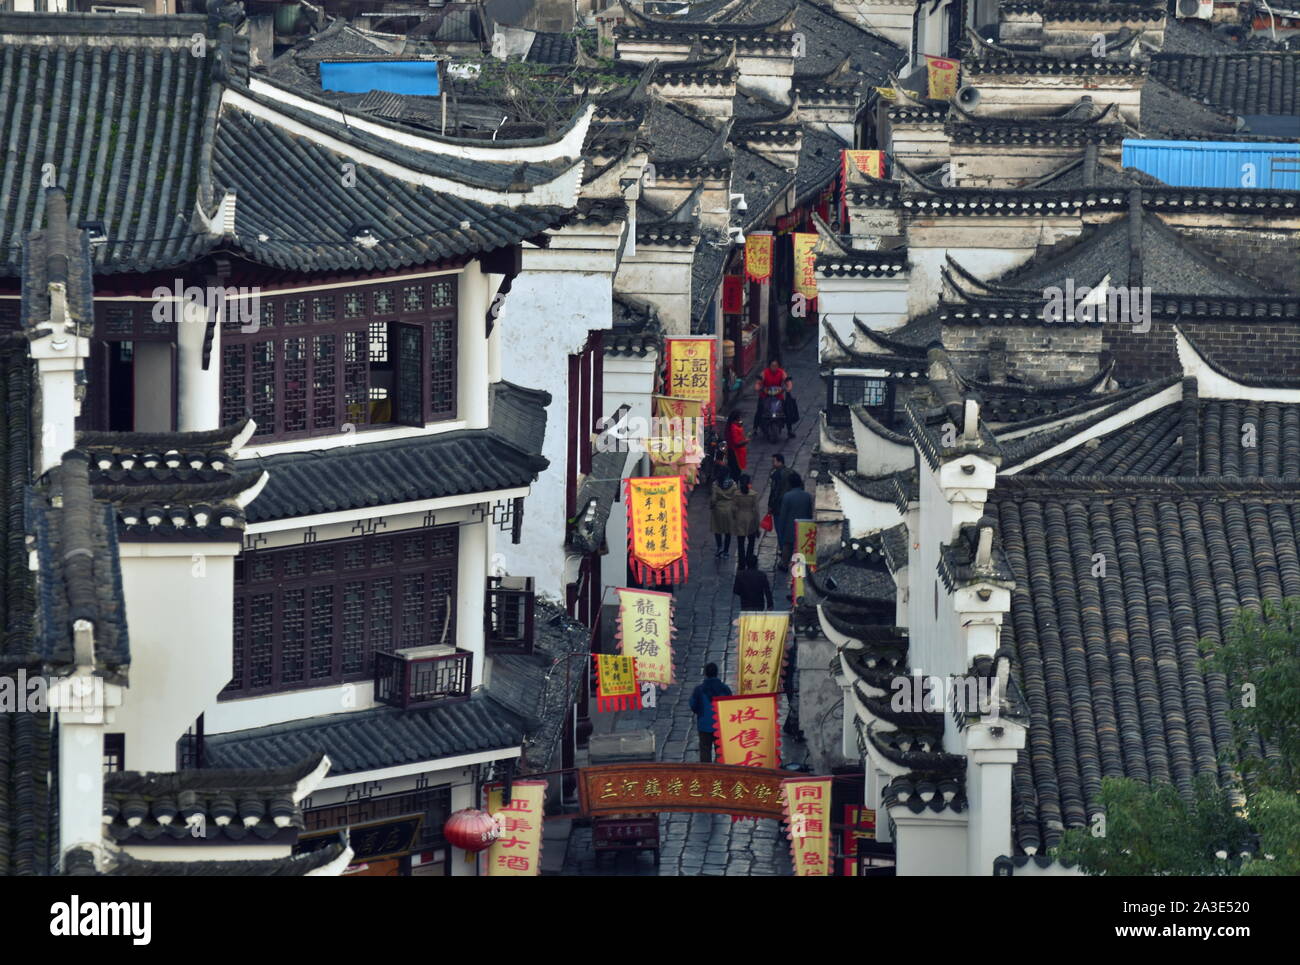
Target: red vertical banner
(616, 684)
(733, 295)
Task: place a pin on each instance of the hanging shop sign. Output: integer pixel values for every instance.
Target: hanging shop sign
(645, 632)
(758, 257)
(733, 294)
(656, 521)
(859, 825)
(691, 368)
(808, 815)
(517, 851)
(805, 264)
(718, 788)
(746, 731)
(943, 77)
(675, 445)
(616, 686)
(762, 652)
(805, 549)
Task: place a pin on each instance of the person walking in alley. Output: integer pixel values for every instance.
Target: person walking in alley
(778, 483)
(702, 707)
(796, 504)
(744, 517)
(752, 585)
(737, 445)
(721, 515)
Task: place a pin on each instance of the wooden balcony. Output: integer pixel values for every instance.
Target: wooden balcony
(419, 676)
(508, 618)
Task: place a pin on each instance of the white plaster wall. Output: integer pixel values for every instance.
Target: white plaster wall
(229, 715)
(181, 613)
(546, 318)
(660, 275)
(212, 852)
(933, 844)
(881, 303)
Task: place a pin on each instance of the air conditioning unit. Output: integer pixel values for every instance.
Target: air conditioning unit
(1196, 9)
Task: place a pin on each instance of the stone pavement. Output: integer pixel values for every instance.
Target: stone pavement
(712, 844)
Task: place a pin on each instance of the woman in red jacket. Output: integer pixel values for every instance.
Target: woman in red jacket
(737, 445)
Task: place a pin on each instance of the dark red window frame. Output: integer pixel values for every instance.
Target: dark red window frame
(306, 371)
(314, 615)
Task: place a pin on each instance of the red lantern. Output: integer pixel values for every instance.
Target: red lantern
(470, 829)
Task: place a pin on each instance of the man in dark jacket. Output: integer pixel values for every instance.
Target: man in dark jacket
(702, 707)
(777, 484)
(752, 586)
(796, 504)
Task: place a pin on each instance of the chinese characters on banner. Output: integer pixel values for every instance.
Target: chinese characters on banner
(691, 364)
(805, 264)
(762, 652)
(645, 631)
(808, 807)
(870, 163)
(656, 521)
(859, 825)
(746, 731)
(805, 545)
(616, 686)
(517, 850)
(943, 77)
(758, 256)
(676, 449)
(631, 788)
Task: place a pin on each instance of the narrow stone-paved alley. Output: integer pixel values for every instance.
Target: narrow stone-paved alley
(713, 844)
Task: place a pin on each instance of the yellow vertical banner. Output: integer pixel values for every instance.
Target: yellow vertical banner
(616, 686)
(656, 521)
(942, 73)
(808, 815)
(805, 549)
(517, 851)
(805, 264)
(758, 257)
(645, 632)
(870, 163)
(762, 651)
(746, 730)
(691, 368)
(674, 445)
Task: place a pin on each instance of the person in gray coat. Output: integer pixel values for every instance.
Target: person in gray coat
(796, 504)
(721, 515)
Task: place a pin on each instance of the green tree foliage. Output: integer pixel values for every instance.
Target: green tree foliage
(1153, 830)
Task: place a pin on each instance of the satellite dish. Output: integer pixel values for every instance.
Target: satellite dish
(510, 13)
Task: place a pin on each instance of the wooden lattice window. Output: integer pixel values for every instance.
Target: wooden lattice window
(370, 356)
(316, 615)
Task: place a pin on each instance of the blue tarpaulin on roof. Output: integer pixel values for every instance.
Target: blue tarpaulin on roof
(1217, 164)
(394, 76)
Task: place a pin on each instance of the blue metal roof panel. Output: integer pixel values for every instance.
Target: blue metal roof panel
(1217, 164)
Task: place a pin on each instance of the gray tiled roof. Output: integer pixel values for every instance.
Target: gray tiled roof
(367, 740)
(506, 455)
(1243, 83)
(532, 686)
(80, 862)
(139, 142)
(819, 162)
(552, 48)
